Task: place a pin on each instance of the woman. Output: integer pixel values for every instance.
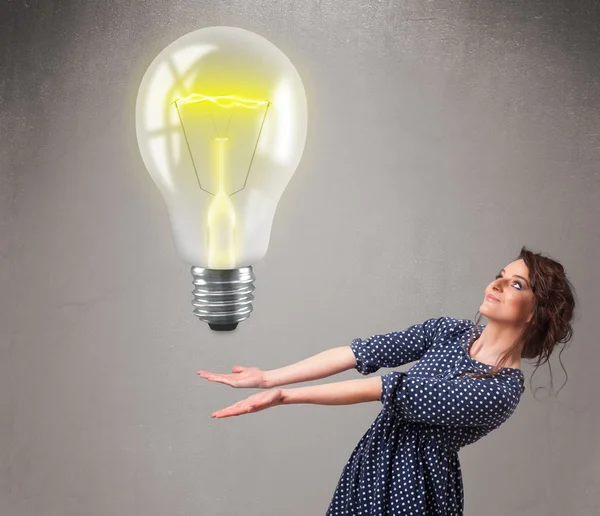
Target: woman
(466, 382)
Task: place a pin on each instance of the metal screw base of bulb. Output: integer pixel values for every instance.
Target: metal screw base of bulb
(223, 297)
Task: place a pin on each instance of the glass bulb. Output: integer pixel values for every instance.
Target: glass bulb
(221, 120)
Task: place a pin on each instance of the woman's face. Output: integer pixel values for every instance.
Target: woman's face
(513, 303)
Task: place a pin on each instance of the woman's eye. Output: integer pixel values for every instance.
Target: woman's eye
(516, 282)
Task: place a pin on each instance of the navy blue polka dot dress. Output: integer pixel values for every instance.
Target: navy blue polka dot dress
(407, 461)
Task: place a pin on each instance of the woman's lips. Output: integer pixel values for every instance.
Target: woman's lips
(491, 298)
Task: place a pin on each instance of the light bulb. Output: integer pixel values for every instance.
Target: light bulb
(221, 119)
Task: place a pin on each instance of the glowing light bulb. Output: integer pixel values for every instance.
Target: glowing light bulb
(221, 119)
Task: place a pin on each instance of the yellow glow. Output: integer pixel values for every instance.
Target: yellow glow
(221, 224)
(221, 232)
(221, 251)
(224, 101)
(221, 120)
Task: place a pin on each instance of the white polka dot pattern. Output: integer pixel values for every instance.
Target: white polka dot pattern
(407, 461)
(459, 402)
(396, 348)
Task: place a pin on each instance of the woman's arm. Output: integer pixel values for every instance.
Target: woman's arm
(326, 363)
(399, 347)
(386, 350)
(340, 393)
(453, 402)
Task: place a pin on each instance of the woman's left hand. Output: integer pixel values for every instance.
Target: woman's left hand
(254, 403)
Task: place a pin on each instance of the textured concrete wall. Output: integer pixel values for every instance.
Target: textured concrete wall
(443, 136)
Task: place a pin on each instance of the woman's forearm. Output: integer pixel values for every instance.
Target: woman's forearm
(322, 365)
(340, 393)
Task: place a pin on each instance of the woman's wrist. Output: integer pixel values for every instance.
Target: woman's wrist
(268, 381)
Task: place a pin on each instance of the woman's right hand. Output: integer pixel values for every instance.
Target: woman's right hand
(242, 377)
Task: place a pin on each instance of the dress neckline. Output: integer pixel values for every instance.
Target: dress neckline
(488, 367)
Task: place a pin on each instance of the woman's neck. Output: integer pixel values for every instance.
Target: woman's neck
(496, 339)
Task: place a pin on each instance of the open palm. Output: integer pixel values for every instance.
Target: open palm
(245, 377)
(254, 403)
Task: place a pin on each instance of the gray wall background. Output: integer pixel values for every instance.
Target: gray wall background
(443, 135)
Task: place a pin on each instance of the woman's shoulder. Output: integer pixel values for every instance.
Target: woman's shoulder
(451, 325)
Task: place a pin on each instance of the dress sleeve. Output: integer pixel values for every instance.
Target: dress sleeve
(397, 348)
(454, 402)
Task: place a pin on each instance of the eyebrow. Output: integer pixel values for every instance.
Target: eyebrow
(519, 277)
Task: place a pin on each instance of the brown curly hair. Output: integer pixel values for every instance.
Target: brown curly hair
(553, 310)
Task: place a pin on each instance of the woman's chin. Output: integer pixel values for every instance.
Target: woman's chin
(490, 314)
(484, 310)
